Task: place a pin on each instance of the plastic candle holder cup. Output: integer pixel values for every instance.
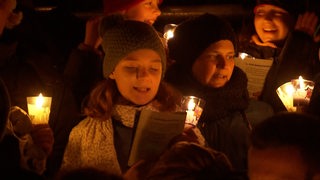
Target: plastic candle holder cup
(194, 108)
(296, 94)
(39, 109)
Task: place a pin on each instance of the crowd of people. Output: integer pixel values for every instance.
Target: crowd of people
(124, 65)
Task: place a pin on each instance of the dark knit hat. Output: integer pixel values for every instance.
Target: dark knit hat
(108, 22)
(111, 6)
(126, 37)
(193, 36)
(294, 7)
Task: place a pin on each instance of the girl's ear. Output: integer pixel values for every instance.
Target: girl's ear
(111, 76)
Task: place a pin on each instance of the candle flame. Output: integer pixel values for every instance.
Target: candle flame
(191, 105)
(169, 31)
(243, 55)
(301, 83)
(39, 100)
(169, 34)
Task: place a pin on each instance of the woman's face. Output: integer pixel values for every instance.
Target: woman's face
(215, 65)
(138, 76)
(147, 11)
(272, 23)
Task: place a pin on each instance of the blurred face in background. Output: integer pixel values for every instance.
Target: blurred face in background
(146, 11)
(215, 65)
(272, 23)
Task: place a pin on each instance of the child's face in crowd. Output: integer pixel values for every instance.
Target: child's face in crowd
(276, 163)
(215, 65)
(138, 76)
(272, 23)
(147, 11)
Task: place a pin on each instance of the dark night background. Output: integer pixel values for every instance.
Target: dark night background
(95, 5)
(62, 22)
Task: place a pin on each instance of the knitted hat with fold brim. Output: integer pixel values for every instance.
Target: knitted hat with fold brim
(126, 37)
(294, 7)
(193, 36)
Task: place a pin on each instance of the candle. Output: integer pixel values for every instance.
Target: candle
(169, 31)
(39, 109)
(168, 34)
(302, 95)
(190, 112)
(295, 95)
(194, 107)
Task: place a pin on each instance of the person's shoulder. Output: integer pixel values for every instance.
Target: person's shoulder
(257, 51)
(258, 111)
(83, 125)
(90, 125)
(256, 104)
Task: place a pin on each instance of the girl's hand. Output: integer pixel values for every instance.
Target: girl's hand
(257, 41)
(307, 23)
(92, 37)
(42, 136)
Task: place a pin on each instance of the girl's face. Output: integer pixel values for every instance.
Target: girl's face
(215, 65)
(147, 11)
(272, 23)
(138, 76)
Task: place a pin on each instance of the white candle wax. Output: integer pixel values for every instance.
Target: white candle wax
(39, 115)
(190, 119)
(193, 106)
(300, 95)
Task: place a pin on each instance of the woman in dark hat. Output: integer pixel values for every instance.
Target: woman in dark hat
(203, 49)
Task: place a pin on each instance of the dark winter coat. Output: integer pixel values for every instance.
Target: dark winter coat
(83, 70)
(223, 121)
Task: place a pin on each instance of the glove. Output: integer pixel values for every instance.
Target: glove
(42, 136)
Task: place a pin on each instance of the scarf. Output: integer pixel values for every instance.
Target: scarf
(220, 102)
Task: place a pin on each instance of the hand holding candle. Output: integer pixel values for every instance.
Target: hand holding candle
(39, 109)
(42, 136)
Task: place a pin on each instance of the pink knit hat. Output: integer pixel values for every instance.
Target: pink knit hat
(111, 6)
